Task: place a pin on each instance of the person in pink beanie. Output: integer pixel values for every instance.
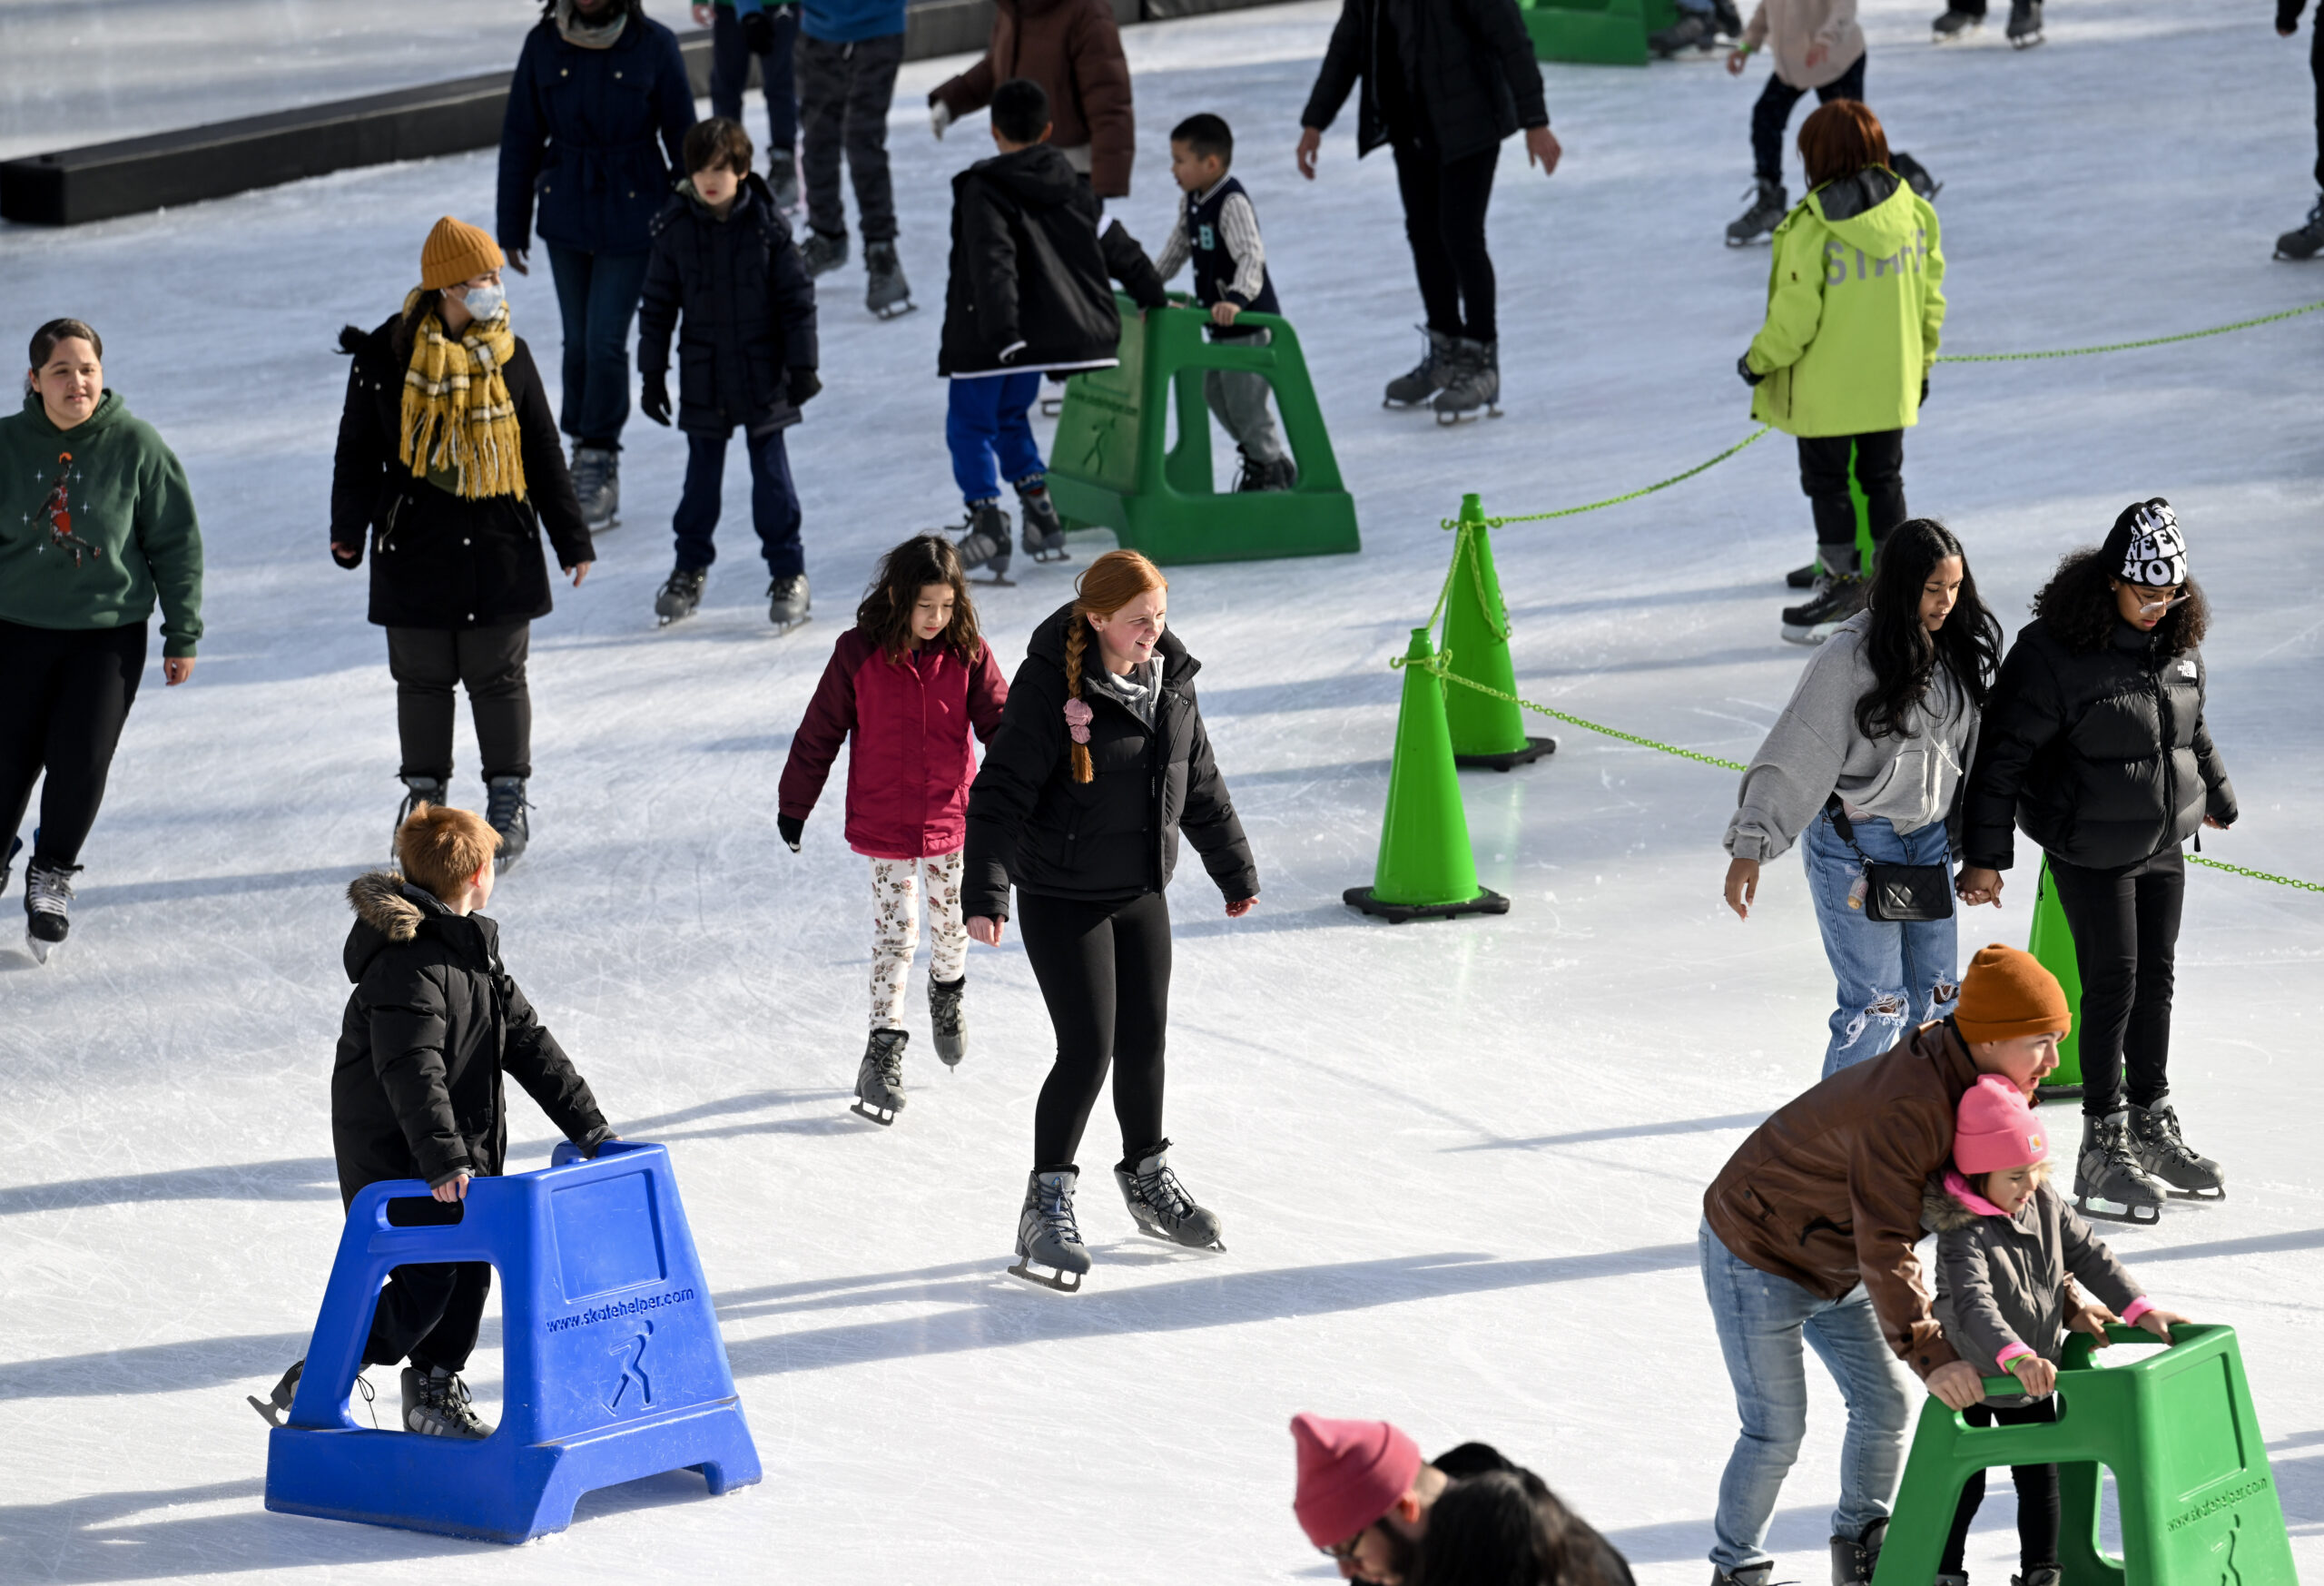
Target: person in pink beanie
(2006, 1243)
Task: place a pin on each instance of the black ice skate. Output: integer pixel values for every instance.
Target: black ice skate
(1472, 383)
(277, 1402)
(1043, 534)
(1417, 384)
(1955, 25)
(2108, 1182)
(1804, 577)
(880, 1078)
(48, 905)
(787, 601)
(2304, 243)
(885, 291)
(1769, 205)
(1046, 1235)
(1854, 1558)
(824, 251)
(681, 596)
(1281, 474)
(2024, 23)
(504, 809)
(984, 539)
(435, 1404)
(946, 1022)
(1161, 1205)
(2157, 1148)
(1837, 597)
(1757, 1575)
(2048, 1575)
(596, 481)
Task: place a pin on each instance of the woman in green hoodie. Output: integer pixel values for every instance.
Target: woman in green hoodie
(96, 524)
(1855, 303)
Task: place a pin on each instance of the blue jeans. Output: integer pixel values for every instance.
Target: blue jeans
(597, 295)
(986, 424)
(1760, 1319)
(775, 502)
(1892, 976)
(730, 73)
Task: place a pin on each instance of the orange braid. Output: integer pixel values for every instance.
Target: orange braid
(1076, 639)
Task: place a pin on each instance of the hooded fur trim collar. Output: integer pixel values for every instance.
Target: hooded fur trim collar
(1941, 1211)
(381, 900)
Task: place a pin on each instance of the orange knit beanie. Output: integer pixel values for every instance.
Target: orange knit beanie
(455, 251)
(2007, 993)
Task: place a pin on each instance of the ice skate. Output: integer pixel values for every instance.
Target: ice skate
(1473, 382)
(984, 539)
(435, 1404)
(1954, 25)
(1417, 384)
(946, 1020)
(1837, 597)
(824, 251)
(504, 809)
(417, 791)
(1044, 531)
(1915, 175)
(880, 1078)
(2045, 1576)
(1046, 1235)
(680, 596)
(1769, 205)
(2160, 1153)
(1161, 1205)
(2108, 1182)
(1757, 1575)
(787, 601)
(597, 481)
(1804, 577)
(2303, 243)
(782, 178)
(885, 291)
(48, 905)
(1855, 1559)
(1278, 474)
(2024, 23)
(276, 1406)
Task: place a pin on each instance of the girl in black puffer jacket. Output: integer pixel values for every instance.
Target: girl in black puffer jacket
(2094, 742)
(1100, 759)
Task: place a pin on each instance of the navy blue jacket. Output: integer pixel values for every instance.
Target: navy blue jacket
(749, 311)
(581, 130)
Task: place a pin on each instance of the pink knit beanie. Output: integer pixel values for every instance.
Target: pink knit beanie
(1351, 1473)
(1993, 1130)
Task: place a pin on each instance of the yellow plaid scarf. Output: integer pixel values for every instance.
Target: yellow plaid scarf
(458, 416)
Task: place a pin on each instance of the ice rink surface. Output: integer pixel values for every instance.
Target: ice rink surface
(1459, 1165)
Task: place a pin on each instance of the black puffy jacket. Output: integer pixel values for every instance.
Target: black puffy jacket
(1030, 267)
(440, 560)
(432, 1022)
(1464, 70)
(749, 311)
(1113, 837)
(2101, 757)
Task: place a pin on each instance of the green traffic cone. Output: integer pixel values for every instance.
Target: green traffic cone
(1486, 731)
(2053, 948)
(1426, 869)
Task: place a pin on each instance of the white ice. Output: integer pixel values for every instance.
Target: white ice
(1458, 1164)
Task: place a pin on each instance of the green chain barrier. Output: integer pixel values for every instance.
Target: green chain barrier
(2257, 875)
(2124, 346)
(1452, 523)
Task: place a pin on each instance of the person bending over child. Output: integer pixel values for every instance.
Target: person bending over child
(434, 1022)
(2006, 1243)
(910, 683)
(1218, 230)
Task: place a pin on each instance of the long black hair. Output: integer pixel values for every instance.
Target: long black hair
(2078, 605)
(885, 613)
(1501, 1528)
(1904, 653)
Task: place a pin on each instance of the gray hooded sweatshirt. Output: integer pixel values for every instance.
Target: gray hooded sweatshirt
(1815, 750)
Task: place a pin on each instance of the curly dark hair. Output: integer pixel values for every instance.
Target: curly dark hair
(886, 612)
(2078, 605)
(1904, 653)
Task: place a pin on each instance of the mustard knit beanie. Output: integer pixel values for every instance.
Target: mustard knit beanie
(455, 251)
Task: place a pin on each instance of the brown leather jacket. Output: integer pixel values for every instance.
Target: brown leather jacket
(1074, 51)
(1828, 1192)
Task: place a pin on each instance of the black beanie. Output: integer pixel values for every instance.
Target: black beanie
(2146, 545)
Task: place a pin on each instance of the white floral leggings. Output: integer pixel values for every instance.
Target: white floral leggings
(896, 888)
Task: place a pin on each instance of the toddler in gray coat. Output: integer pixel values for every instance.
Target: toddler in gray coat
(2006, 1243)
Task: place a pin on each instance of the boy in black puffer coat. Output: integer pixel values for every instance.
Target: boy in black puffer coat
(723, 258)
(1029, 295)
(434, 1022)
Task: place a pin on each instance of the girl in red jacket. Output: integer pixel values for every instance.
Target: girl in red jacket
(911, 680)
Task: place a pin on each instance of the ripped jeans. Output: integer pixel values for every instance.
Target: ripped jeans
(1892, 976)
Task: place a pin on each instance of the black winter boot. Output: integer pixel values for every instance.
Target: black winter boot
(1854, 1558)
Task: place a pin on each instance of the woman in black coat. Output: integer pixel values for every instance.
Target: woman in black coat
(450, 477)
(1100, 759)
(1443, 83)
(2093, 743)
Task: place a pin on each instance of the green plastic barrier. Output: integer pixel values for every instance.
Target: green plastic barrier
(1109, 467)
(2199, 1502)
(2052, 946)
(1599, 33)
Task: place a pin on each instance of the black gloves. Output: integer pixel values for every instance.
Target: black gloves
(804, 383)
(350, 563)
(789, 827)
(1743, 368)
(1923, 390)
(654, 400)
(758, 31)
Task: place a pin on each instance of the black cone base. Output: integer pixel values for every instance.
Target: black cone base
(1535, 749)
(1486, 901)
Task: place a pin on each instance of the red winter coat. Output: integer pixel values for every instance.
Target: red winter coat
(909, 772)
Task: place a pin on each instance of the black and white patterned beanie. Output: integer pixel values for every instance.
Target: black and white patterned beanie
(2146, 546)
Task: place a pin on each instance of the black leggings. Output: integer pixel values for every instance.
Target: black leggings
(1103, 970)
(66, 694)
(430, 1313)
(1874, 464)
(1772, 114)
(426, 664)
(1444, 220)
(2125, 925)
(2037, 1494)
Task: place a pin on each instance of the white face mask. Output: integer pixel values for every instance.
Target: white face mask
(484, 302)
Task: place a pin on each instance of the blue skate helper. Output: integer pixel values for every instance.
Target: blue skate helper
(614, 1366)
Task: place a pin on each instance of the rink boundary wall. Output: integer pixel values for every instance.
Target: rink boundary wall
(100, 182)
